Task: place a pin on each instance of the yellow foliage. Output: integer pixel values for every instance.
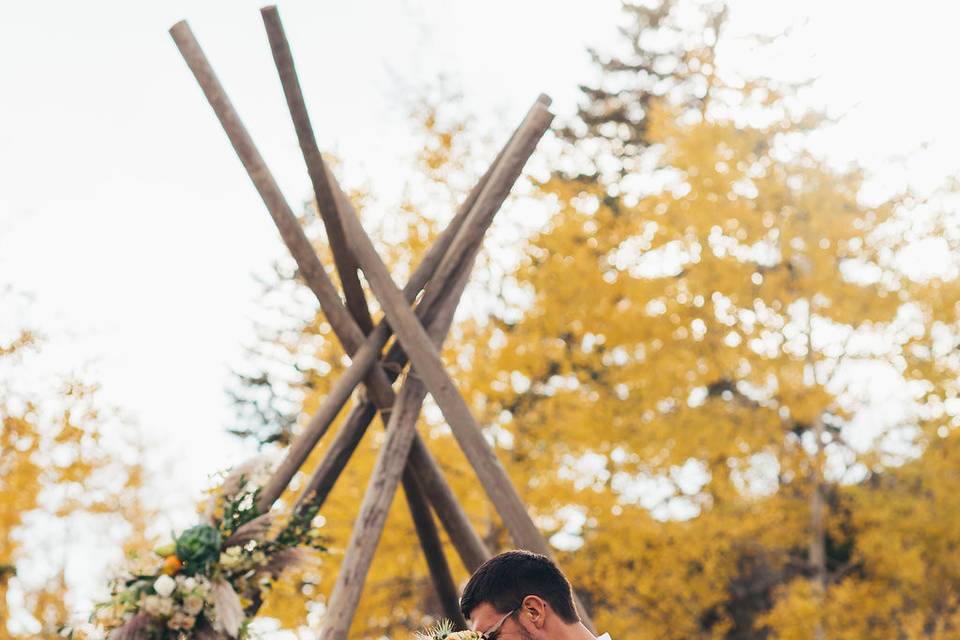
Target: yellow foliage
(668, 400)
(54, 465)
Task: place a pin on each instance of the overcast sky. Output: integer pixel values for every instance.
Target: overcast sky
(126, 216)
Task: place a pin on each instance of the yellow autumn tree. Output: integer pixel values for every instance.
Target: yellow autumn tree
(679, 393)
(58, 474)
(901, 520)
(672, 379)
(673, 373)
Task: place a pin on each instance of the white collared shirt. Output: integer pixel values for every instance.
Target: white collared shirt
(605, 636)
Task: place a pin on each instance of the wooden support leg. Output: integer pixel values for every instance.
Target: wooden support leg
(432, 549)
(469, 545)
(320, 176)
(340, 319)
(391, 462)
(428, 365)
(329, 206)
(330, 203)
(373, 511)
(363, 353)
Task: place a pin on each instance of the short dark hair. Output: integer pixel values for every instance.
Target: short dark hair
(505, 580)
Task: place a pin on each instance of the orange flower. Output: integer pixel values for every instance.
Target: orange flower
(171, 565)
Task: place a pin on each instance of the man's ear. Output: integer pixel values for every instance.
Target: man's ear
(534, 609)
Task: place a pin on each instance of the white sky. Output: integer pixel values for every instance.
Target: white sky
(125, 213)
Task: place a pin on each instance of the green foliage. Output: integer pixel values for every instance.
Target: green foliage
(198, 548)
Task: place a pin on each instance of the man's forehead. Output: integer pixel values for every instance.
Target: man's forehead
(483, 616)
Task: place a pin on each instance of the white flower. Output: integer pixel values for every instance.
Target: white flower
(164, 585)
(151, 604)
(193, 604)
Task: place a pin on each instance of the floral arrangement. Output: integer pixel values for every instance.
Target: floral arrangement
(443, 630)
(207, 582)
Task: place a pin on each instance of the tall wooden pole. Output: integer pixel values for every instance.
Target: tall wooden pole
(330, 204)
(429, 367)
(391, 462)
(364, 352)
(429, 537)
(320, 176)
(410, 331)
(333, 207)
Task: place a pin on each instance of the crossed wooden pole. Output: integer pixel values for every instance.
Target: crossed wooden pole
(420, 330)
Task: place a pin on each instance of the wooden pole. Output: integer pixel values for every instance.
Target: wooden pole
(428, 365)
(368, 527)
(329, 205)
(470, 547)
(391, 462)
(432, 548)
(354, 427)
(320, 176)
(409, 329)
(364, 353)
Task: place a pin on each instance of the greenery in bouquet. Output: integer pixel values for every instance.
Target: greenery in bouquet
(443, 630)
(208, 581)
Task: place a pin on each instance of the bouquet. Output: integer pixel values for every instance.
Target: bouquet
(443, 630)
(207, 582)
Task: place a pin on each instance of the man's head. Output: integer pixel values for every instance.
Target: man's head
(527, 588)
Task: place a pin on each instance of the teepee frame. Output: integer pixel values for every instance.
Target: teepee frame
(420, 331)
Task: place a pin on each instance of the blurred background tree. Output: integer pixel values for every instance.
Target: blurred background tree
(64, 473)
(686, 372)
(724, 380)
